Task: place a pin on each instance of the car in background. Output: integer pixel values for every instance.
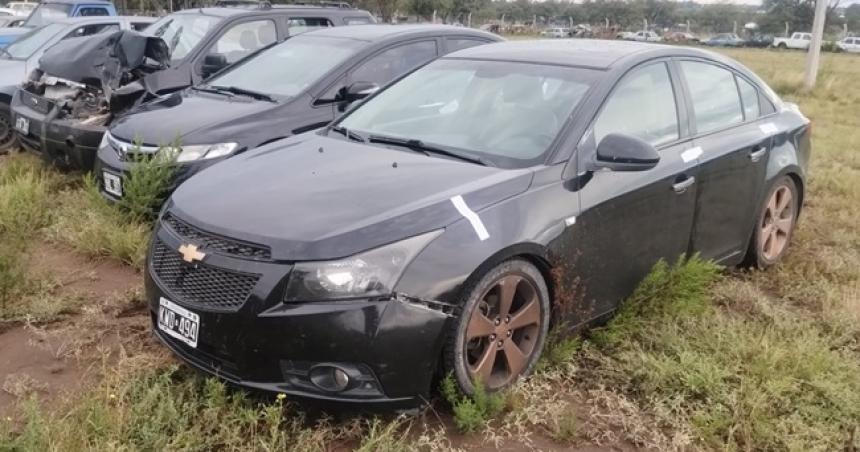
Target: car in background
(298, 85)
(725, 40)
(681, 37)
(645, 36)
(759, 41)
(799, 41)
(52, 10)
(201, 42)
(849, 44)
(22, 56)
(443, 225)
(556, 33)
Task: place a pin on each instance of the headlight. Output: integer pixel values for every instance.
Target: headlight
(369, 274)
(204, 151)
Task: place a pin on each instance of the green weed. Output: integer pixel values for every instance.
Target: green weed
(471, 413)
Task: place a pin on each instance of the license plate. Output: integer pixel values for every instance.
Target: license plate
(178, 322)
(113, 183)
(22, 125)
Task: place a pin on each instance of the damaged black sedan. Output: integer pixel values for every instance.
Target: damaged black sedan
(447, 223)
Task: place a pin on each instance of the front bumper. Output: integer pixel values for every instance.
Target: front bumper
(266, 344)
(64, 140)
(109, 160)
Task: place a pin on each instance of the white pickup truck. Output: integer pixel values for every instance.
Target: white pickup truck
(796, 41)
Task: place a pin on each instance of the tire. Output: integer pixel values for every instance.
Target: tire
(527, 319)
(775, 223)
(782, 46)
(8, 139)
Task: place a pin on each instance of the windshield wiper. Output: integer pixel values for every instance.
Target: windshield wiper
(209, 89)
(427, 149)
(354, 136)
(3, 51)
(245, 92)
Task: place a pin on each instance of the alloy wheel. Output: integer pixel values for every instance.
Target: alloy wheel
(776, 223)
(503, 331)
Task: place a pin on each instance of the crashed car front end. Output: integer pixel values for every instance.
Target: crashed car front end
(64, 107)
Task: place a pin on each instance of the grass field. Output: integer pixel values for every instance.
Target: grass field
(700, 358)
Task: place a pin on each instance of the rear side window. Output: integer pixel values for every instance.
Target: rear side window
(394, 62)
(749, 99)
(641, 105)
(455, 44)
(302, 24)
(714, 94)
(357, 20)
(84, 12)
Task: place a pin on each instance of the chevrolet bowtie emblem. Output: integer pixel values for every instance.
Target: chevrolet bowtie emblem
(190, 253)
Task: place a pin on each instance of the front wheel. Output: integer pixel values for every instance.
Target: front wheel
(502, 328)
(7, 135)
(775, 226)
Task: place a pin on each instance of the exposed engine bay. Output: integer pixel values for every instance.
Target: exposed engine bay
(92, 79)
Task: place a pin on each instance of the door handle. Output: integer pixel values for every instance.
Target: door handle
(681, 187)
(757, 153)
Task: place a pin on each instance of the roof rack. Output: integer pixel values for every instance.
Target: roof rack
(324, 4)
(260, 4)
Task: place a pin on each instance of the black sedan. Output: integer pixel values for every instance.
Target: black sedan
(446, 223)
(299, 85)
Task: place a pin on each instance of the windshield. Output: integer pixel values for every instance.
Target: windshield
(182, 32)
(502, 112)
(47, 13)
(25, 46)
(289, 68)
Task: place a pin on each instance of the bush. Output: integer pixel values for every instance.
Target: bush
(471, 413)
(145, 187)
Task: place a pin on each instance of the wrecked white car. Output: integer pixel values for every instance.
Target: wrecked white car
(81, 84)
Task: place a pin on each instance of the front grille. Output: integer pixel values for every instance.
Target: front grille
(200, 285)
(214, 243)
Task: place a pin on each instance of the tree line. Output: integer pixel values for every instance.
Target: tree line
(771, 16)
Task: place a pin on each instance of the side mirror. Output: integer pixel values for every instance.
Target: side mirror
(619, 152)
(213, 63)
(359, 90)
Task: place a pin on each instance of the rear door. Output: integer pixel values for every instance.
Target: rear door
(630, 220)
(729, 126)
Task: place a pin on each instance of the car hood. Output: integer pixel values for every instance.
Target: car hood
(12, 73)
(312, 197)
(192, 117)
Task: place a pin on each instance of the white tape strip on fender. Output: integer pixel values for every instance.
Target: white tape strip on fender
(691, 154)
(473, 218)
(768, 128)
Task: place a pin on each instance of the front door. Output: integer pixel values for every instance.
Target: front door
(631, 220)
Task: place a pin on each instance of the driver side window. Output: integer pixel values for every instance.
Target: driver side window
(641, 105)
(244, 38)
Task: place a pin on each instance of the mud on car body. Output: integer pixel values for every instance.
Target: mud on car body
(444, 224)
(296, 86)
(200, 42)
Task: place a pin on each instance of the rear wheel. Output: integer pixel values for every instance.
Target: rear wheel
(775, 226)
(502, 328)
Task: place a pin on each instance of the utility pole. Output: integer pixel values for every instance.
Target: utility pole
(814, 54)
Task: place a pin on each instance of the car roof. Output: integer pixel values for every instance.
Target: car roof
(376, 32)
(589, 53)
(281, 9)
